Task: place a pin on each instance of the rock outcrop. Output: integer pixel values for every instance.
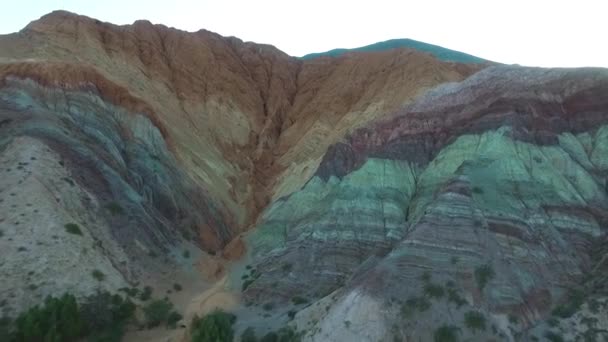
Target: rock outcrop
(483, 197)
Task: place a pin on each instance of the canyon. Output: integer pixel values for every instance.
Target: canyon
(400, 192)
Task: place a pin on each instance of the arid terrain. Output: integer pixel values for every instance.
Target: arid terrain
(387, 194)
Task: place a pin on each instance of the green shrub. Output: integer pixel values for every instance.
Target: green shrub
(285, 334)
(553, 337)
(268, 306)
(98, 275)
(513, 319)
(115, 208)
(415, 303)
(483, 274)
(177, 287)
(106, 316)
(287, 267)
(426, 276)
(246, 284)
(131, 292)
(186, 253)
(173, 318)
(270, 337)
(475, 321)
(57, 320)
(157, 312)
(214, 327)
(477, 190)
(433, 290)
(574, 300)
(454, 297)
(73, 228)
(146, 294)
(446, 333)
(249, 335)
(297, 300)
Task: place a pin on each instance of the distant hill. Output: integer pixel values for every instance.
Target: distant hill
(437, 51)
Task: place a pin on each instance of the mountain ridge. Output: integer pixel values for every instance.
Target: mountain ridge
(375, 195)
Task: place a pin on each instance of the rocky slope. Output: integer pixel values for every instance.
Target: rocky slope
(377, 195)
(485, 196)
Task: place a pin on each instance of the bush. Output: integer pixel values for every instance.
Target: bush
(483, 274)
(553, 337)
(446, 333)
(268, 306)
(102, 317)
(57, 320)
(574, 300)
(475, 321)
(415, 303)
(131, 292)
(270, 337)
(454, 297)
(146, 293)
(186, 254)
(114, 208)
(173, 318)
(297, 300)
(73, 228)
(106, 316)
(433, 290)
(249, 335)
(215, 327)
(177, 287)
(157, 312)
(98, 275)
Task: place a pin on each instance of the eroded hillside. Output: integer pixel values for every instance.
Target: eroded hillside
(380, 195)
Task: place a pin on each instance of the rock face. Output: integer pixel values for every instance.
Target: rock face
(156, 138)
(483, 197)
(389, 194)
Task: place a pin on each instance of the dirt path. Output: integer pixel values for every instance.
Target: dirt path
(216, 297)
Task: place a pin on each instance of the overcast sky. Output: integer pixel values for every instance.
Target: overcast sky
(530, 32)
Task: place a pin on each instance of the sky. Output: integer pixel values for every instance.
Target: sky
(553, 33)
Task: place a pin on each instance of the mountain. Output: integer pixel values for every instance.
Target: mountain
(401, 191)
(438, 52)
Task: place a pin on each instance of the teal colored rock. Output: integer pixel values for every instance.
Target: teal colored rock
(437, 51)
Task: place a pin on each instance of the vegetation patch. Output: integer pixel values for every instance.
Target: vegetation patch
(285, 334)
(483, 275)
(98, 275)
(146, 293)
(297, 300)
(434, 290)
(214, 327)
(574, 300)
(157, 312)
(454, 297)
(249, 278)
(446, 333)
(102, 317)
(412, 304)
(73, 228)
(115, 208)
(475, 320)
(173, 318)
(553, 337)
(249, 335)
